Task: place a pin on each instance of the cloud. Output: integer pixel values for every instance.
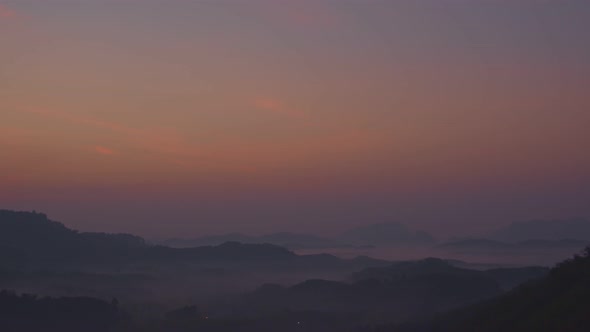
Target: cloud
(276, 106)
(269, 104)
(153, 140)
(6, 13)
(104, 151)
(228, 154)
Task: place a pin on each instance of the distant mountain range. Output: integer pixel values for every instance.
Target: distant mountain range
(486, 245)
(45, 257)
(397, 291)
(381, 234)
(32, 238)
(559, 301)
(536, 252)
(506, 278)
(283, 239)
(27, 313)
(551, 230)
(384, 234)
(547, 240)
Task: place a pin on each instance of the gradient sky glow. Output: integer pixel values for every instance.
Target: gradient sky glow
(183, 117)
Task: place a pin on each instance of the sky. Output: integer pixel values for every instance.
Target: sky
(191, 117)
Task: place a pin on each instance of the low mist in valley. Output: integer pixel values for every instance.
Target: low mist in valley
(216, 287)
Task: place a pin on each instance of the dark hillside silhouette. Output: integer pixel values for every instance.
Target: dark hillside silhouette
(558, 302)
(398, 292)
(381, 234)
(38, 255)
(576, 228)
(29, 313)
(388, 233)
(43, 240)
(283, 239)
(42, 256)
(29, 237)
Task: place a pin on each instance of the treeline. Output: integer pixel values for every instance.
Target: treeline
(556, 303)
(29, 313)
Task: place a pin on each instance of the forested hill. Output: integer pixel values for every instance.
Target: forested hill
(29, 313)
(556, 303)
(32, 238)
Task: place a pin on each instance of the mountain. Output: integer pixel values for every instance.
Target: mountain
(476, 245)
(473, 245)
(384, 234)
(506, 278)
(560, 301)
(553, 230)
(28, 313)
(34, 237)
(530, 252)
(41, 256)
(283, 239)
(394, 293)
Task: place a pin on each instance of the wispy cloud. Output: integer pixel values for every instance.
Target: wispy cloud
(6, 13)
(227, 154)
(103, 150)
(274, 105)
(153, 140)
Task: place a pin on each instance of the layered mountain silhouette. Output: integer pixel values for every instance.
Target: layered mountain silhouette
(543, 242)
(386, 234)
(33, 235)
(283, 239)
(551, 230)
(558, 302)
(399, 291)
(29, 313)
(46, 257)
(381, 234)
(32, 238)
(485, 245)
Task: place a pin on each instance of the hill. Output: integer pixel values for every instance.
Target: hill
(389, 233)
(39, 239)
(29, 313)
(558, 302)
(394, 293)
(380, 234)
(45, 257)
(33, 238)
(283, 239)
(578, 229)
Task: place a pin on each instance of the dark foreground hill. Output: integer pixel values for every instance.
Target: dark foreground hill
(32, 238)
(391, 294)
(38, 255)
(35, 238)
(554, 230)
(44, 257)
(29, 313)
(394, 293)
(388, 234)
(558, 302)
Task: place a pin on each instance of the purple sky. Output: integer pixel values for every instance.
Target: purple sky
(186, 117)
